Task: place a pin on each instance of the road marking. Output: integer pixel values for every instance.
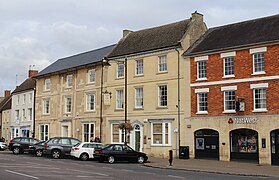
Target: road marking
(180, 177)
(148, 173)
(127, 170)
(89, 172)
(107, 167)
(26, 175)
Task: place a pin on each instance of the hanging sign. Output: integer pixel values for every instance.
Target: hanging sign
(106, 99)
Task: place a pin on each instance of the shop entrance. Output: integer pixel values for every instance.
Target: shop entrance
(206, 144)
(244, 145)
(274, 136)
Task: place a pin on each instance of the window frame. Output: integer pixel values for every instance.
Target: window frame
(262, 86)
(199, 111)
(120, 74)
(138, 99)
(44, 106)
(118, 101)
(163, 134)
(231, 68)
(227, 100)
(88, 104)
(44, 133)
(93, 73)
(120, 133)
(69, 80)
(30, 114)
(47, 84)
(160, 96)
(89, 133)
(258, 56)
(162, 63)
(68, 104)
(139, 67)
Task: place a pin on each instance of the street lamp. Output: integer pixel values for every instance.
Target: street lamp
(106, 61)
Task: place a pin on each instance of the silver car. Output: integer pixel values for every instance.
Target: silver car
(3, 146)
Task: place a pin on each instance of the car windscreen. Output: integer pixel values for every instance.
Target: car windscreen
(77, 145)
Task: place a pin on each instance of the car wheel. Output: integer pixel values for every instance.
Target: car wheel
(84, 157)
(16, 150)
(111, 159)
(39, 153)
(140, 159)
(56, 154)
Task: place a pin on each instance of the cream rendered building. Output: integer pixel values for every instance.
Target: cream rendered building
(5, 112)
(68, 96)
(158, 91)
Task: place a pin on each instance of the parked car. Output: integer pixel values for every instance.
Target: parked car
(37, 149)
(119, 152)
(3, 146)
(19, 145)
(59, 146)
(85, 151)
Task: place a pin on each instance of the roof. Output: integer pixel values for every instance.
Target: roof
(6, 103)
(28, 84)
(151, 39)
(76, 61)
(247, 33)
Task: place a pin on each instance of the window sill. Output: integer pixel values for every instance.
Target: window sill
(160, 145)
(201, 79)
(258, 73)
(202, 112)
(162, 72)
(259, 110)
(46, 90)
(228, 76)
(138, 108)
(90, 111)
(138, 75)
(162, 107)
(119, 78)
(91, 83)
(46, 114)
(119, 110)
(229, 111)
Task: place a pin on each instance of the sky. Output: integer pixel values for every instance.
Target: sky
(36, 33)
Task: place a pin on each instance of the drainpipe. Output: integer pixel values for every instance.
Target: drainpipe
(34, 104)
(101, 105)
(178, 96)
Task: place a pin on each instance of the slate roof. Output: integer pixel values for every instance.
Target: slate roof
(151, 39)
(242, 34)
(76, 61)
(6, 104)
(26, 85)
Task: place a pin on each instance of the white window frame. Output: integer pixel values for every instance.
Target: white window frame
(30, 114)
(44, 106)
(91, 76)
(162, 63)
(163, 134)
(139, 67)
(199, 92)
(160, 96)
(120, 74)
(69, 80)
(30, 97)
(227, 89)
(228, 56)
(138, 98)
(45, 136)
(89, 132)
(47, 84)
(68, 104)
(24, 99)
(23, 114)
(197, 60)
(256, 51)
(120, 134)
(119, 99)
(17, 114)
(88, 103)
(259, 86)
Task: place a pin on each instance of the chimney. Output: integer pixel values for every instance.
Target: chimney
(197, 16)
(7, 93)
(126, 32)
(32, 73)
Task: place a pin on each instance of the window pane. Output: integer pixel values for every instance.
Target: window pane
(202, 98)
(162, 63)
(229, 66)
(163, 98)
(229, 100)
(120, 70)
(119, 99)
(202, 69)
(259, 62)
(139, 97)
(260, 98)
(139, 67)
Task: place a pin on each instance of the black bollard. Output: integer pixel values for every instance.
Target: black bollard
(170, 157)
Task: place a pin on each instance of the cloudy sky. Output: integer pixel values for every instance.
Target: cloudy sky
(35, 33)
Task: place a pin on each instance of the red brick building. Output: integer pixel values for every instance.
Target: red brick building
(235, 92)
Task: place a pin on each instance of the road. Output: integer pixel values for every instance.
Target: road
(28, 167)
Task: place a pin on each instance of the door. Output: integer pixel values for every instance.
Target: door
(275, 147)
(206, 144)
(137, 138)
(65, 131)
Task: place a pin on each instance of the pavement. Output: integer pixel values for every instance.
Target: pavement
(215, 166)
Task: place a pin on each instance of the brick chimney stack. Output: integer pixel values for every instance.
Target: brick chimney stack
(7, 93)
(32, 73)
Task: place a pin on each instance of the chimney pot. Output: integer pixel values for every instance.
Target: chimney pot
(7, 93)
(32, 73)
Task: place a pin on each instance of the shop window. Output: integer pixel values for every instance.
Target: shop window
(244, 141)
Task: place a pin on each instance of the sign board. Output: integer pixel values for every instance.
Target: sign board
(106, 99)
(243, 120)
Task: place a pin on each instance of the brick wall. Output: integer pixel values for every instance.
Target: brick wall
(243, 64)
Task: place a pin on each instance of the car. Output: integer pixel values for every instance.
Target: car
(3, 146)
(37, 149)
(119, 152)
(59, 146)
(19, 145)
(85, 151)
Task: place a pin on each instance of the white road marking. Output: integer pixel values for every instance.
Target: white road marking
(89, 172)
(127, 170)
(180, 177)
(107, 167)
(21, 174)
(148, 173)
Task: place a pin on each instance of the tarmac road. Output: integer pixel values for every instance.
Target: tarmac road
(28, 167)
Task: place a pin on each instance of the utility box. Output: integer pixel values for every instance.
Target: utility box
(183, 152)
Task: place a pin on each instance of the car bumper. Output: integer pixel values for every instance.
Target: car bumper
(75, 154)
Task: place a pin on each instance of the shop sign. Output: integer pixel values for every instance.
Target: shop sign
(243, 120)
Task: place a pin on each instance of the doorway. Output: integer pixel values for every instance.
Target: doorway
(65, 131)
(136, 138)
(206, 144)
(274, 137)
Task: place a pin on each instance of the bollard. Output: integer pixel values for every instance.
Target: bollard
(170, 157)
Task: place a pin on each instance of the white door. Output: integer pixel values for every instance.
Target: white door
(65, 130)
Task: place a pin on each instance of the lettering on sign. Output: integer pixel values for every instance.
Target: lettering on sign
(243, 120)
(106, 99)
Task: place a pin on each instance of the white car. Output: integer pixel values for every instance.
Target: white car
(3, 146)
(85, 151)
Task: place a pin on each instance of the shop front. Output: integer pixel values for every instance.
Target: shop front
(206, 144)
(244, 145)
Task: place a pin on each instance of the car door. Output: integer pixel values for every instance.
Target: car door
(118, 152)
(130, 154)
(90, 149)
(24, 143)
(66, 145)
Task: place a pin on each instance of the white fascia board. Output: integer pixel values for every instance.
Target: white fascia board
(201, 58)
(228, 54)
(257, 50)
